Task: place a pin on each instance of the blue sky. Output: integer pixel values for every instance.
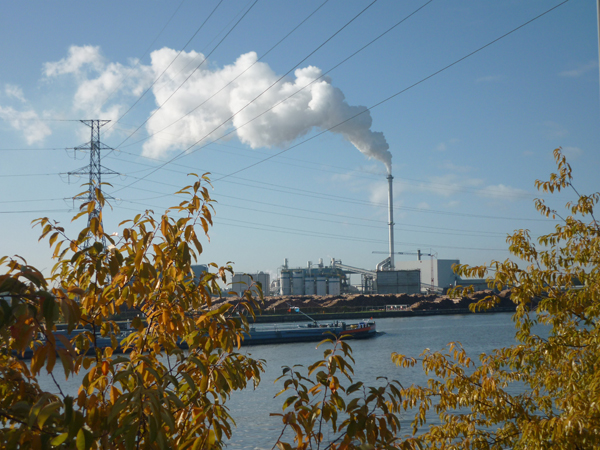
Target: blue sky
(466, 144)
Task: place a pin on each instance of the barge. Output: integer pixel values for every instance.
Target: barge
(311, 332)
(266, 334)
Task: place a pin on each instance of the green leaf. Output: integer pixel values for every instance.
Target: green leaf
(60, 439)
(46, 412)
(354, 387)
(289, 401)
(80, 441)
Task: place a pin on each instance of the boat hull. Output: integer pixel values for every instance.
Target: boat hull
(308, 334)
(277, 334)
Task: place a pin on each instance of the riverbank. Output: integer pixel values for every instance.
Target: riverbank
(369, 314)
(359, 306)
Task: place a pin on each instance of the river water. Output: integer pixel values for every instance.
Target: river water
(256, 430)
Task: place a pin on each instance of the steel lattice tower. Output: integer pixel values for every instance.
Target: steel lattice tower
(95, 169)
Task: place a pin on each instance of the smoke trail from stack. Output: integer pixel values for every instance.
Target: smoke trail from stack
(318, 106)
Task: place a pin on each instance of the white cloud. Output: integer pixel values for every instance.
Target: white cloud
(443, 146)
(450, 166)
(14, 91)
(450, 184)
(423, 205)
(456, 182)
(93, 94)
(100, 86)
(78, 58)
(504, 192)
(26, 121)
(580, 70)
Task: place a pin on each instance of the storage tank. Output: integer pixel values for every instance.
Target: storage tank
(321, 286)
(298, 282)
(334, 286)
(265, 282)
(309, 286)
(286, 288)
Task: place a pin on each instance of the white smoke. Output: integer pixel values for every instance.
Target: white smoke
(318, 105)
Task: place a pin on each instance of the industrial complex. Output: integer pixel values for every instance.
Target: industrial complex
(425, 274)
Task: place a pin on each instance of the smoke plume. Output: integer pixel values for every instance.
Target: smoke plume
(189, 112)
(318, 106)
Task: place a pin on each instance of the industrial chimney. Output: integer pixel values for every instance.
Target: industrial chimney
(391, 219)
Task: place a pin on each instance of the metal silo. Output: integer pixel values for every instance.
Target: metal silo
(286, 283)
(309, 286)
(321, 286)
(334, 286)
(298, 282)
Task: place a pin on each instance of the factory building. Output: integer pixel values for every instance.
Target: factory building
(316, 279)
(321, 280)
(436, 274)
(199, 271)
(242, 281)
(398, 282)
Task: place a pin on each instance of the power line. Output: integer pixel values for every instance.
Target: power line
(301, 192)
(166, 68)
(263, 92)
(277, 81)
(33, 201)
(231, 81)
(316, 234)
(36, 119)
(190, 75)
(383, 226)
(13, 175)
(372, 176)
(324, 196)
(393, 95)
(30, 149)
(254, 201)
(36, 211)
(138, 63)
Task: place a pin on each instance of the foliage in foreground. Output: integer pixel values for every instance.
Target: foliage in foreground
(541, 393)
(157, 396)
(556, 362)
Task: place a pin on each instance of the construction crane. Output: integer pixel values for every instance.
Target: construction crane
(419, 254)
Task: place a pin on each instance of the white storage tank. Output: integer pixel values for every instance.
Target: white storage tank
(298, 282)
(321, 286)
(334, 286)
(242, 281)
(309, 286)
(286, 286)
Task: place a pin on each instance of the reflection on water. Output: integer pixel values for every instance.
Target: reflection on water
(477, 333)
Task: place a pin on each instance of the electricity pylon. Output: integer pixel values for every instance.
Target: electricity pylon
(94, 170)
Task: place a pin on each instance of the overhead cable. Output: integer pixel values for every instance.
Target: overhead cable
(258, 96)
(396, 94)
(190, 75)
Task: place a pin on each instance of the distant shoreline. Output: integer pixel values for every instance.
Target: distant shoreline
(374, 314)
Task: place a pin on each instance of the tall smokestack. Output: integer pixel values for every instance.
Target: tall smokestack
(391, 219)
